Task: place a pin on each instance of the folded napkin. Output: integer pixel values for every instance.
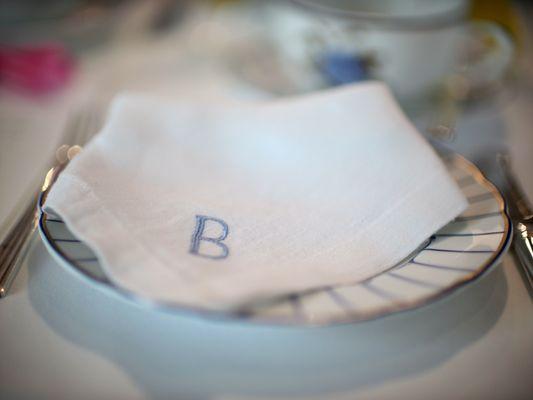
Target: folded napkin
(215, 206)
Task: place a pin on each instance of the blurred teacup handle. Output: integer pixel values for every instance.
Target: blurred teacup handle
(489, 54)
(487, 58)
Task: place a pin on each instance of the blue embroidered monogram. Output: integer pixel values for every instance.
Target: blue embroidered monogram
(198, 237)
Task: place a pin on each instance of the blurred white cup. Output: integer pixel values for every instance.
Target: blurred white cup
(413, 45)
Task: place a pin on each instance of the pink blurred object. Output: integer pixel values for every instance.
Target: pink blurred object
(37, 69)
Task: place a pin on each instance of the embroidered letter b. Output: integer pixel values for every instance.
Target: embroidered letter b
(204, 223)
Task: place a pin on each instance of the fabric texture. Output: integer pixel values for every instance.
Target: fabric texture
(215, 206)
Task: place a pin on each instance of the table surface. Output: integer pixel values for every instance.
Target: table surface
(61, 338)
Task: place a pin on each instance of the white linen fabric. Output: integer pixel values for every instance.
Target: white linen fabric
(214, 206)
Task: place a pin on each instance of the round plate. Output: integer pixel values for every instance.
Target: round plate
(457, 254)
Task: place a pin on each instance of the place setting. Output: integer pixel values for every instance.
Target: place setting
(445, 257)
(295, 170)
(309, 209)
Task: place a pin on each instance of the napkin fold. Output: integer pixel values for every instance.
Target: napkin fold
(215, 206)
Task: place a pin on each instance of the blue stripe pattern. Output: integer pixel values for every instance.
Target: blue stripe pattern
(468, 234)
(478, 216)
(457, 251)
(414, 281)
(339, 299)
(378, 291)
(422, 264)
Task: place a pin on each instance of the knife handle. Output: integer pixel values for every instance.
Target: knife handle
(523, 245)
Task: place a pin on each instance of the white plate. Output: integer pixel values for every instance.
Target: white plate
(456, 255)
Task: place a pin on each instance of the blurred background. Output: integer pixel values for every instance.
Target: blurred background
(424, 49)
(448, 62)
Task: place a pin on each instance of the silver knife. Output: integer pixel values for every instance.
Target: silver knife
(522, 216)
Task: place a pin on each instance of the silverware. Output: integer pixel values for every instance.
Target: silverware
(522, 217)
(17, 242)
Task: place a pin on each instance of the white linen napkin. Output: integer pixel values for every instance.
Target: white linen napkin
(214, 206)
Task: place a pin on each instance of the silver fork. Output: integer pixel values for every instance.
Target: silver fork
(80, 128)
